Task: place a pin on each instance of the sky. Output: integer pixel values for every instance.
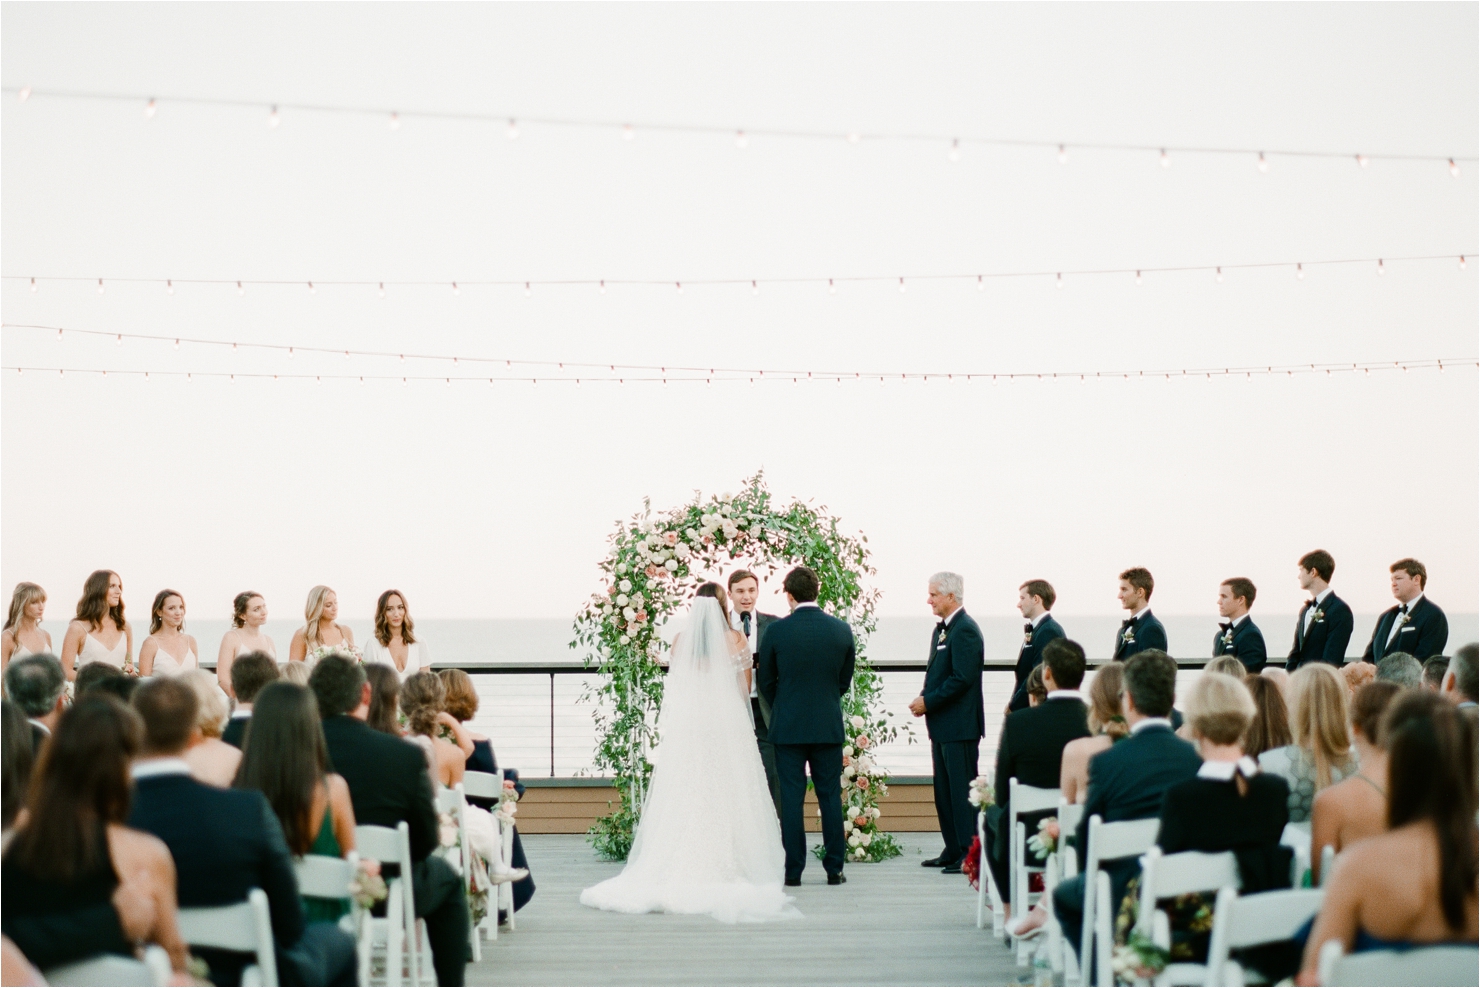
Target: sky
(496, 501)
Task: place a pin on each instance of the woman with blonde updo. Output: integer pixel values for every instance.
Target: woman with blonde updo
(1106, 724)
(212, 760)
(320, 629)
(248, 615)
(23, 635)
(1322, 751)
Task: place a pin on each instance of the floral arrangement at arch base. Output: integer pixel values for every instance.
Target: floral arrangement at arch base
(656, 561)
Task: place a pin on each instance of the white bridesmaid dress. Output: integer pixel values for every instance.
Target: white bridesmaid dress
(166, 664)
(94, 651)
(418, 657)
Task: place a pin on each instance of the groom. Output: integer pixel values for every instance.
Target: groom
(806, 665)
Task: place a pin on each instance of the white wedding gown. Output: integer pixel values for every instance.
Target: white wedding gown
(708, 841)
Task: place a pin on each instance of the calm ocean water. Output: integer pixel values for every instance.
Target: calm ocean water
(541, 724)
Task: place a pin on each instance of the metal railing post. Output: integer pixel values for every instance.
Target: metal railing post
(552, 725)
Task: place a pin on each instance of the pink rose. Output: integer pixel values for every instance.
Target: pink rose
(1052, 829)
(671, 538)
(863, 741)
(652, 571)
(860, 821)
(641, 618)
(508, 783)
(847, 760)
(861, 782)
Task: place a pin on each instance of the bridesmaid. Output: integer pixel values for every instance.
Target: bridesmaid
(100, 610)
(393, 643)
(319, 627)
(168, 651)
(248, 615)
(23, 635)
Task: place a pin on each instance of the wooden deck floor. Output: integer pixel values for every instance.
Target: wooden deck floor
(892, 924)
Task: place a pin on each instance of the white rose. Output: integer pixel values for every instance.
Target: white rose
(857, 723)
(849, 772)
(860, 854)
(606, 608)
(621, 600)
(625, 586)
(628, 613)
(725, 510)
(854, 841)
(741, 522)
(727, 497)
(624, 639)
(867, 839)
(621, 568)
(875, 812)
(691, 534)
(847, 826)
(848, 750)
(671, 565)
(636, 600)
(853, 811)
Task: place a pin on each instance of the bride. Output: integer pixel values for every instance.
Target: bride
(707, 841)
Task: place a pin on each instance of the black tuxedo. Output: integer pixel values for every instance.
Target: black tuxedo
(1127, 782)
(1244, 641)
(806, 665)
(1423, 636)
(1146, 633)
(1031, 751)
(225, 843)
(955, 721)
(235, 731)
(760, 709)
(1330, 630)
(1030, 653)
(389, 782)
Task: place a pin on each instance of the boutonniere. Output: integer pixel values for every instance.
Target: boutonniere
(1404, 619)
(1228, 638)
(1128, 635)
(941, 638)
(1318, 616)
(1028, 638)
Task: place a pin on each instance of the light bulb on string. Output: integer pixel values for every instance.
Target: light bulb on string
(1059, 280)
(1166, 162)
(740, 139)
(1362, 160)
(100, 286)
(1063, 155)
(169, 287)
(755, 288)
(24, 94)
(981, 285)
(1381, 269)
(455, 289)
(901, 286)
(395, 121)
(1219, 275)
(627, 132)
(1461, 267)
(272, 117)
(679, 286)
(119, 341)
(382, 289)
(240, 290)
(955, 154)
(1453, 168)
(1138, 277)
(311, 289)
(512, 133)
(149, 110)
(1263, 163)
(33, 280)
(177, 344)
(59, 334)
(601, 285)
(1300, 272)
(832, 289)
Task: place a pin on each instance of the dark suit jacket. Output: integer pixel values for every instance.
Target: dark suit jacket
(806, 665)
(225, 842)
(234, 731)
(388, 780)
(1246, 644)
(1423, 636)
(1129, 780)
(762, 622)
(1329, 633)
(1032, 745)
(1146, 633)
(1030, 653)
(953, 682)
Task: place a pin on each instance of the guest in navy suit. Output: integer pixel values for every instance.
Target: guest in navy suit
(225, 843)
(1238, 636)
(1325, 623)
(249, 674)
(951, 703)
(1140, 631)
(1416, 626)
(1035, 599)
(1129, 780)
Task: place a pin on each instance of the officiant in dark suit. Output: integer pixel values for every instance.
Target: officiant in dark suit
(1237, 635)
(1416, 626)
(745, 587)
(806, 665)
(951, 703)
(1140, 631)
(1324, 626)
(1035, 600)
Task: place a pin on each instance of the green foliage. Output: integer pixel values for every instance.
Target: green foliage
(655, 563)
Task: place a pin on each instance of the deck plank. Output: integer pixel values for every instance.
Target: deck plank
(894, 923)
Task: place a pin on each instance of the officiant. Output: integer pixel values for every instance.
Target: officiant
(744, 589)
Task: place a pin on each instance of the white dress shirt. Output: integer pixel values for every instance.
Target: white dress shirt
(752, 640)
(1310, 611)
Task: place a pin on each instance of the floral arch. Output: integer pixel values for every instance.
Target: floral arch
(657, 560)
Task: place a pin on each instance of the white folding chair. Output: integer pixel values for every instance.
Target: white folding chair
(1241, 921)
(986, 891)
(1165, 876)
(1328, 861)
(490, 785)
(324, 877)
(398, 930)
(1419, 966)
(455, 801)
(1296, 837)
(1023, 799)
(244, 926)
(107, 970)
(1106, 842)
(1061, 864)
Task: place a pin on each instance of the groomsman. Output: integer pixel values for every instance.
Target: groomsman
(1141, 630)
(951, 704)
(1417, 625)
(1035, 599)
(1325, 623)
(1238, 636)
(745, 587)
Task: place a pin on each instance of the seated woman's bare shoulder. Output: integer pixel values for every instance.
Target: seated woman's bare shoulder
(134, 851)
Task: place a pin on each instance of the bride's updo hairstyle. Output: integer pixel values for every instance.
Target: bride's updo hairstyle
(712, 589)
(423, 697)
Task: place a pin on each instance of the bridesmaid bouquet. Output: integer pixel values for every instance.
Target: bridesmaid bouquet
(367, 887)
(1046, 840)
(343, 648)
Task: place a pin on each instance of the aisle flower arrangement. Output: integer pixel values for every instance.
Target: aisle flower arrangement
(656, 561)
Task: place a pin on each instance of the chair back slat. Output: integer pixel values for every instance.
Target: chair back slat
(384, 844)
(1166, 875)
(324, 877)
(243, 926)
(483, 785)
(1448, 965)
(1268, 917)
(1122, 839)
(1069, 816)
(1031, 799)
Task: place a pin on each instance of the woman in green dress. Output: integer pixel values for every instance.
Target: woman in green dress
(285, 757)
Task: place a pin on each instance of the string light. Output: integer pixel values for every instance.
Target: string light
(272, 118)
(628, 133)
(1059, 280)
(755, 288)
(33, 280)
(832, 289)
(955, 149)
(100, 286)
(1380, 269)
(169, 287)
(455, 289)
(1220, 276)
(311, 289)
(981, 285)
(512, 133)
(1453, 168)
(24, 94)
(1461, 263)
(149, 110)
(1362, 160)
(240, 291)
(740, 139)
(1063, 155)
(1299, 272)
(395, 121)
(901, 286)
(1263, 163)
(1138, 277)
(1166, 162)
(382, 289)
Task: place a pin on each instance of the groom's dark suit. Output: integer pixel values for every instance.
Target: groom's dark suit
(806, 665)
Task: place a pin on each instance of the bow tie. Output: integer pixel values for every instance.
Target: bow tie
(1127, 623)
(1403, 609)
(1226, 627)
(1312, 603)
(1028, 628)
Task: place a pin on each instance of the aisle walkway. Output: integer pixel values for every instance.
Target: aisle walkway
(892, 924)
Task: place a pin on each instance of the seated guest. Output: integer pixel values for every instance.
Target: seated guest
(1417, 625)
(1034, 686)
(19, 757)
(288, 762)
(295, 673)
(1321, 752)
(385, 694)
(1229, 806)
(1238, 636)
(1459, 685)
(211, 760)
(1356, 675)
(1400, 668)
(1276, 675)
(1414, 885)
(109, 679)
(388, 782)
(67, 866)
(14, 968)
(1031, 751)
(37, 684)
(1106, 726)
(1270, 727)
(225, 843)
(1129, 781)
(1225, 665)
(1355, 808)
(249, 673)
(1433, 672)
